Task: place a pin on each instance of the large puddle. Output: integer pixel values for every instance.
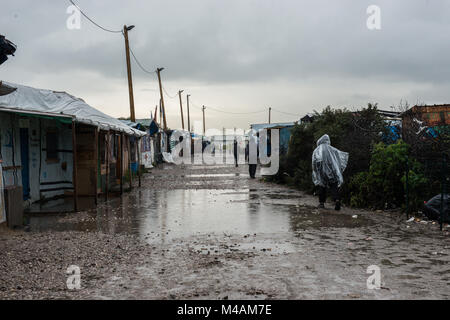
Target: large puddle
(164, 215)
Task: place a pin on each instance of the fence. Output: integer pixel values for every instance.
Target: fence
(436, 169)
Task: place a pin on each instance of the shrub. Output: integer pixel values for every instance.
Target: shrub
(353, 132)
(375, 175)
(384, 184)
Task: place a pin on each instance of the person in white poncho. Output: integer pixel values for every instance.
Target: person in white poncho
(328, 165)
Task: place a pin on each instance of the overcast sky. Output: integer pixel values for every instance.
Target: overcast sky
(234, 55)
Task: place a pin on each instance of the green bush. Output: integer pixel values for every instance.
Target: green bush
(375, 175)
(384, 184)
(353, 132)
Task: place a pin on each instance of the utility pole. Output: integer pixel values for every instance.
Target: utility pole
(181, 107)
(158, 71)
(270, 111)
(130, 80)
(160, 113)
(204, 127)
(189, 121)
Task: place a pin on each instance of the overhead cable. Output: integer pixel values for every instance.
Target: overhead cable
(92, 21)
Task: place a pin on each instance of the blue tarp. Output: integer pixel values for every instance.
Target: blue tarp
(285, 133)
(153, 128)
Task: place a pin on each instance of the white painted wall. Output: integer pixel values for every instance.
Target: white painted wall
(49, 172)
(10, 140)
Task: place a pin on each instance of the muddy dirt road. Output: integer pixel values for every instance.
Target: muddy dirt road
(211, 232)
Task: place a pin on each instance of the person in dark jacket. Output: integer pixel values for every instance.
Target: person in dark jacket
(252, 166)
(235, 152)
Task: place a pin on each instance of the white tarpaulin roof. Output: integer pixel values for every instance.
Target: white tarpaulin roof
(30, 99)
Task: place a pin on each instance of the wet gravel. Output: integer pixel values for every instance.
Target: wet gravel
(318, 254)
(34, 265)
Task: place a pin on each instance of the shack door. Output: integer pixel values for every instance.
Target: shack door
(86, 160)
(24, 151)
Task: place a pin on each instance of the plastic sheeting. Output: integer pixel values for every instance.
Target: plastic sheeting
(29, 99)
(432, 208)
(167, 157)
(328, 163)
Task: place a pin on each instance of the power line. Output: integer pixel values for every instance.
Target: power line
(167, 94)
(152, 72)
(113, 31)
(140, 65)
(92, 21)
(250, 112)
(230, 112)
(288, 113)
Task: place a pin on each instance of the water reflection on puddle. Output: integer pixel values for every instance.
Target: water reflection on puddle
(216, 175)
(161, 215)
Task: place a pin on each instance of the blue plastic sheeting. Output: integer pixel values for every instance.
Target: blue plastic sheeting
(393, 134)
(260, 126)
(285, 137)
(432, 132)
(153, 128)
(284, 130)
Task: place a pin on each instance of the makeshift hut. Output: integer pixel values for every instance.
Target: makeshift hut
(38, 132)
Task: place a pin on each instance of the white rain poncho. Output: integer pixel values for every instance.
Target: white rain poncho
(328, 163)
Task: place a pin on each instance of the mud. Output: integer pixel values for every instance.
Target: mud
(195, 232)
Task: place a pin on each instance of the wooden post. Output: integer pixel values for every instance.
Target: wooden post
(107, 136)
(121, 163)
(204, 125)
(130, 80)
(96, 163)
(75, 169)
(270, 111)
(158, 71)
(188, 116)
(181, 108)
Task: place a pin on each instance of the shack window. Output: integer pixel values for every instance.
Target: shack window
(52, 146)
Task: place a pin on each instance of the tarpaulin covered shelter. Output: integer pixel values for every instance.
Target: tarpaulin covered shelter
(54, 103)
(285, 133)
(150, 145)
(38, 131)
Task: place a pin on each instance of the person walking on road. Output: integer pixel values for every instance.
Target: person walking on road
(252, 163)
(235, 152)
(328, 165)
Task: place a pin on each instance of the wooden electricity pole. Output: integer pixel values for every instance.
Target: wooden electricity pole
(160, 113)
(130, 80)
(204, 126)
(270, 111)
(181, 108)
(158, 71)
(189, 121)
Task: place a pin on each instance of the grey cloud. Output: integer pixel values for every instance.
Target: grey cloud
(232, 42)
